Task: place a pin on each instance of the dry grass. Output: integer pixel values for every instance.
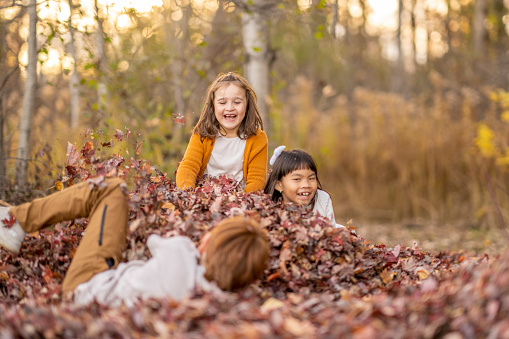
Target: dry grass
(385, 158)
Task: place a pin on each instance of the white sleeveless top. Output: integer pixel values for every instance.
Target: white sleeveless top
(227, 158)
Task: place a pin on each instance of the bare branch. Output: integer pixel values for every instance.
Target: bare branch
(13, 5)
(20, 4)
(6, 78)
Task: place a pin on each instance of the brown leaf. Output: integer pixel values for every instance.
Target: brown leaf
(387, 276)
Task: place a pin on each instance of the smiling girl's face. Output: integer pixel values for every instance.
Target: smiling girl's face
(230, 105)
(298, 186)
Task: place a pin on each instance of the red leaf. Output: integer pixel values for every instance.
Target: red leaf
(9, 221)
(119, 135)
(179, 119)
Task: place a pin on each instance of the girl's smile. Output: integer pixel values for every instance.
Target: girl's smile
(230, 108)
(298, 186)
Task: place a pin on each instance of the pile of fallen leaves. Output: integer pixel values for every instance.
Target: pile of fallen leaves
(320, 281)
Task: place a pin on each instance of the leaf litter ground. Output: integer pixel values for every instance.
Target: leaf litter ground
(320, 281)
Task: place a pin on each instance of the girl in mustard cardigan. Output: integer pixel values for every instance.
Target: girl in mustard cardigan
(229, 138)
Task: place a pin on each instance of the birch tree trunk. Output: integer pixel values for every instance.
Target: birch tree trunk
(74, 82)
(255, 35)
(102, 90)
(478, 30)
(28, 98)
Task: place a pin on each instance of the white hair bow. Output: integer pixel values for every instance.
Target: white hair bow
(277, 152)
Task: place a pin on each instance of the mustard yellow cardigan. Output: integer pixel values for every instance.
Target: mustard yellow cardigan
(197, 156)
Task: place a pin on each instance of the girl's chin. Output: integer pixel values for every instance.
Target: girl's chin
(230, 130)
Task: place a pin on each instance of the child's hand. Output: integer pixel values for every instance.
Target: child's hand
(204, 242)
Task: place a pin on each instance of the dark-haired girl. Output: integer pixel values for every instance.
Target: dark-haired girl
(229, 138)
(294, 179)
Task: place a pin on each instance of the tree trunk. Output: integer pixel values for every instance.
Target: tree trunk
(499, 11)
(348, 54)
(398, 33)
(255, 35)
(178, 34)
(447, 27)
(345, 20)
(478, 30)
(414, 26)
(429, 28)
(3, 70)
(334, 21)
(398, 78)
(102, 90)
(74, 82)
(362, 4)
(28, 98)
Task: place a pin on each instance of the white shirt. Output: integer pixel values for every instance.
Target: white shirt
(323, 205)
(173, 271)
(227, 158)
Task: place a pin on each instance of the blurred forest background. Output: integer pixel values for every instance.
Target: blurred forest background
(403, 103)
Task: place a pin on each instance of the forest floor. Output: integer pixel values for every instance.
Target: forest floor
(431, 236)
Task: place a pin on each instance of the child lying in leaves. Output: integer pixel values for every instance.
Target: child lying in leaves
(233, 254)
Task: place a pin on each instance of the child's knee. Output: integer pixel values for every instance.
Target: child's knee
(118, 183)
(115, 181)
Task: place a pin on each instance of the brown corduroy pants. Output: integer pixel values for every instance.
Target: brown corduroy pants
(105, 236)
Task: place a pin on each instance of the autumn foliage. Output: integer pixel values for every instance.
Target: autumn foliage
(320, 281)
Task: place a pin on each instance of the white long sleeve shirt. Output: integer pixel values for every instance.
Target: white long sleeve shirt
(173, 271)
(323, 205)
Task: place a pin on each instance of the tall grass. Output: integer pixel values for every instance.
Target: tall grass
(384, 157)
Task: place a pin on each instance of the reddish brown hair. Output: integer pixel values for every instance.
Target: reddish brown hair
(208, 126)
(236, 254)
